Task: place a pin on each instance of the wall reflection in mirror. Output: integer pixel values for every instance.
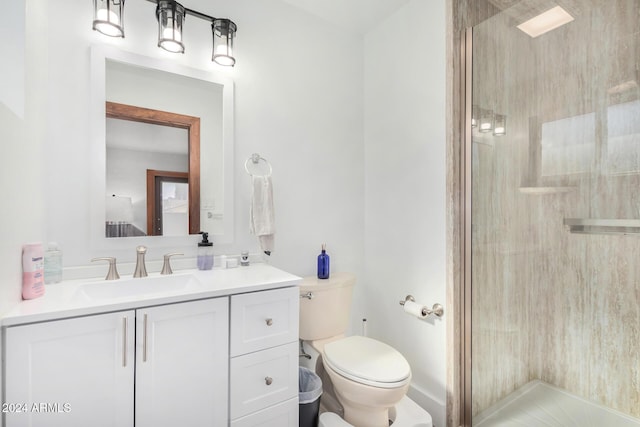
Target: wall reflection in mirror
(159, 181)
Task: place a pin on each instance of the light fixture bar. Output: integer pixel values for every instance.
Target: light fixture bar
(545, 22)
(170, 36)
(191, 12)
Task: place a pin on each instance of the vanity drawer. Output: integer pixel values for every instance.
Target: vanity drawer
(284, 414)
(261, 320)
(262, 379)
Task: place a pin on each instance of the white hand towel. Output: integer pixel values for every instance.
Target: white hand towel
(262, 221)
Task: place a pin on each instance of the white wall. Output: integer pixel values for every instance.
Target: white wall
(22, 125)
(404, 118)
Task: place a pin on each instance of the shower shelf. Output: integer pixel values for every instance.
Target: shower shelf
(545, 190)
(602, 226)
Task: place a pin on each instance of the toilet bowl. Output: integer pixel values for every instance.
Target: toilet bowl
(368, 378)
(362, 378)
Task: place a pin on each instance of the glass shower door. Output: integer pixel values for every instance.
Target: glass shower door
(555, 214)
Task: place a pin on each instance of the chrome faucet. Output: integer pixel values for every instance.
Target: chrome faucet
(141, 270)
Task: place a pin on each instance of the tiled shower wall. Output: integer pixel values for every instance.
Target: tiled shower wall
(547, 304)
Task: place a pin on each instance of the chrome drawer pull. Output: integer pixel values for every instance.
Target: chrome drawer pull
(144, 339)
(125, 340)
(268, 380)
(269, 321)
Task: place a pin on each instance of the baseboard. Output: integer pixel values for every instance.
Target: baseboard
(434, 406)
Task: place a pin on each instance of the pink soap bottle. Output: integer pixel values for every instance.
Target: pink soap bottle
(32, 271)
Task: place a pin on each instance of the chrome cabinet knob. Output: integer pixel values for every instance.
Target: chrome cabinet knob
(268, 380)
(269, 321)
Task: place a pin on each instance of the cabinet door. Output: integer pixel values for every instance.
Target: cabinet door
(182, 367)
(71, 373)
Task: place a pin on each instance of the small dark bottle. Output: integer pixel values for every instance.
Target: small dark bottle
(323, 263)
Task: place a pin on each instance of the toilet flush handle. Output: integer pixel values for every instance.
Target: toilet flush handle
(308, 295)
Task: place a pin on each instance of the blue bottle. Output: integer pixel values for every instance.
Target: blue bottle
(323, 263)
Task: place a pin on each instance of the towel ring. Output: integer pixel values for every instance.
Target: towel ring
(255, 158)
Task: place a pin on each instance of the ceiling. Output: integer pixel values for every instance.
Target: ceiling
(359, 16)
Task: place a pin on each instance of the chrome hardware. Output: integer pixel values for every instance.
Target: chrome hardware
(308, 295)
(125, 332)
(113, 271)
(268, 380)
(269, 322)
(166, 267)
(141, 270)
(303, 353)
(144, 339)
(436, 309)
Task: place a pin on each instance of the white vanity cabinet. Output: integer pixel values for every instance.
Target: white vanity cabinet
(84, 368)
(73, 372)
(264, 359)
(221, 351)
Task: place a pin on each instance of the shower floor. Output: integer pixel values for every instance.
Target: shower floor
(538, 404)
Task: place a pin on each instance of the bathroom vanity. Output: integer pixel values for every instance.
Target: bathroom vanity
(197, 348)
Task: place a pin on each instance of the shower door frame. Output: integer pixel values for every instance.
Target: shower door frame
(466, 92)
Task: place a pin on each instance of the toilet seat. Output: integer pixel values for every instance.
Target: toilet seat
(367, 361)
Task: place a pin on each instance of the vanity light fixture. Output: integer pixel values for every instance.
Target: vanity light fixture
(474, 116)
(170, 16)
(224, 32)
(108, 19)
(500, 125)
(486, 121)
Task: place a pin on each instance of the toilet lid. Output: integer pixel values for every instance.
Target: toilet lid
(367, 361)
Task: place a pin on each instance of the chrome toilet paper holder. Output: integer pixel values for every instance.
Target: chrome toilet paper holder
(437, 309)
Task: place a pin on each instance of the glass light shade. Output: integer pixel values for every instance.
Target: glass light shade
(486, 121)
(474, 116)
(170, 16)
(500, 125)
(224, 31)
(108, 17)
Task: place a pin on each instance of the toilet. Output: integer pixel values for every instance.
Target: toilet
(363, 379)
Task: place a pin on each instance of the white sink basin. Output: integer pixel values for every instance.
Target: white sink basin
(140, 287)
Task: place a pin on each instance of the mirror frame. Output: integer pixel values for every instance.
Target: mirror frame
(97, 152)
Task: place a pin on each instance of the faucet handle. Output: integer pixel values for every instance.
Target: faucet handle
(113, 271)
(141, 268)
(166, 267)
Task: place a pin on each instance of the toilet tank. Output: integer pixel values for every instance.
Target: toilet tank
(326, 314)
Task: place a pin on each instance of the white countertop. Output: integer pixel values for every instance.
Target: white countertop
(67, 299)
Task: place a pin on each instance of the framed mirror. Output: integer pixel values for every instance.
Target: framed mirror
(162, 151)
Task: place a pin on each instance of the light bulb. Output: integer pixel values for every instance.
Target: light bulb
(168, 33)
